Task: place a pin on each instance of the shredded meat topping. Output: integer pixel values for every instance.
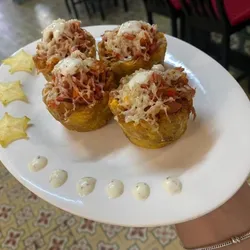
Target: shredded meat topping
(132, 43)
(70, 39)
(145, 93)
(84, 86)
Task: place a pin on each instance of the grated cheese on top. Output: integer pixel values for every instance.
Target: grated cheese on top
(61, 38)
(131, 40)
(130, 27)
(68, 66)
(77, 80)
(145, 93)
(56, 28)
(158, 67)
(53, 32)
(139, 78)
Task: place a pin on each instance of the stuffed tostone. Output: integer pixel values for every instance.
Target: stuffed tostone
(78, 94)
(153, 106)
(132, 46)
(59, 40)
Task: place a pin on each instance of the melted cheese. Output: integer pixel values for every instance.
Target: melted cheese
(68, 66)
(56, 28)
(158, 67)
(143, 76)
(138, 101)
(174, 74)
(139, 78)
(89, 62)
(78, 54)
(130, 27)
(127, 40)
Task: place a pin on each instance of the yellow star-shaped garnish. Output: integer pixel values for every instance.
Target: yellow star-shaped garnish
(21, 61)
(11, 91)
(12, 128)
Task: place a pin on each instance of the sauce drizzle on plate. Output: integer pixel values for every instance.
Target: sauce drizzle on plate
(58, 178)
(115, 189)
(85, 186)
(141, 191)
(38, 163)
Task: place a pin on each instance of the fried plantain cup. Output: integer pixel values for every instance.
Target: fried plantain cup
(171, 128)
(169, 118)
(87, 115)
(82, 118)
(124, 67)
(59, 40)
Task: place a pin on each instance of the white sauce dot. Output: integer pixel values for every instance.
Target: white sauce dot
(38, 163)
(115, 189)
(172, 185)
(58, 178)
(141, 191)
(85, 186)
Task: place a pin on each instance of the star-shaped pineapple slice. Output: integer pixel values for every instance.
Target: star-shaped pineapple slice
(21, 61)
(11, 91)
(12, 129)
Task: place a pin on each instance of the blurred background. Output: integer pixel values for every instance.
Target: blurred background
(221, 28)
(22, 23)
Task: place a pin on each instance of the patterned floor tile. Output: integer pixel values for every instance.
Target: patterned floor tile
(83, 227)
(81, 244)
(45, 220)
(7, 216)
(12, 239)
(165, 235)
(59, 239)
(111, 231)
(13, 236)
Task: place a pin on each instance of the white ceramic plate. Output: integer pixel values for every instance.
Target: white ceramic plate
(212, 159)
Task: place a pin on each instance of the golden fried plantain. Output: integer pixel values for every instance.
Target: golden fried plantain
(83, 118)
(143, 135)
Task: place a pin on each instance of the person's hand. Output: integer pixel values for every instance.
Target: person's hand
(231, 219)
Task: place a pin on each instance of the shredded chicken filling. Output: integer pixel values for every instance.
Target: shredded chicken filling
(70, 39)
(86, 86)
(131, 45)
(163, 91)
